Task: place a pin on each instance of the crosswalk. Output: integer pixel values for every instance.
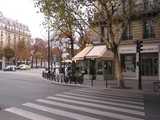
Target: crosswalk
(84, 104)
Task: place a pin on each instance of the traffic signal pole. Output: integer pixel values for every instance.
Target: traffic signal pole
(138, 61)
(140, 73)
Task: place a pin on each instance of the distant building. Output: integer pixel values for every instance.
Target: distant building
(11, 31)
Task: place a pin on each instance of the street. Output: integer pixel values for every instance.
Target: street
(19, 87)
(26, 96)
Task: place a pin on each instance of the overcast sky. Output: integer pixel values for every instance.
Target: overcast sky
(25, 12)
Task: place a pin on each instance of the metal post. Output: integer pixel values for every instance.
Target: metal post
(159, 63)
(48, 47)
(92, 81)
(140, 76)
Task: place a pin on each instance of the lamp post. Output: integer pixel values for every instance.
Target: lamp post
(48, 46)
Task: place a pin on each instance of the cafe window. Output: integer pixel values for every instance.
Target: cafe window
(128, 63)
(99, 68)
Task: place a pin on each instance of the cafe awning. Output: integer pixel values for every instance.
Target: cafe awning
(81, 55)
(95, 52)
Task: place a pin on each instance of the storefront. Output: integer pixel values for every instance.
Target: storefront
(149, 65)
(96, 60)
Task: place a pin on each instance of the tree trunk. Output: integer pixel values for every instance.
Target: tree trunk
(73, 63)
(118, 70)
(41, 62)
(36, 62)
(32, 62)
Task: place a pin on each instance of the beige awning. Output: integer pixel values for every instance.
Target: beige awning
(66, 61)
(108, 55)
(94, 52)
(83, 53)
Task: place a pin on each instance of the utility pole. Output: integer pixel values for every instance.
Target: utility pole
(139, 45)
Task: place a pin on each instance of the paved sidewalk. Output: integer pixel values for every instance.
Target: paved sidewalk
(152, 106)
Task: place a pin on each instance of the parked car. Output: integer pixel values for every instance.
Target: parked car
(24, 67)
(10, 68)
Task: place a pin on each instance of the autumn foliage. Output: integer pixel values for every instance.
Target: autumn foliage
(22, 51)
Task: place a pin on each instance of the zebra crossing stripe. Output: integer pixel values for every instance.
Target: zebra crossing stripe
(59, 112)
(90, 110)
(99, 106)
(111, 99)
(111, 96)
(107, 93)
(27, 114)
(115, 91)
(102, 102)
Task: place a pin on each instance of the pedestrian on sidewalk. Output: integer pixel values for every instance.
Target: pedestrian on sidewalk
(57, 74)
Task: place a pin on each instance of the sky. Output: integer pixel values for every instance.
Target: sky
(24, 12)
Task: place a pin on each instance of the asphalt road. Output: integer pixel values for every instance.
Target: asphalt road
(24, 95)
(23, 86)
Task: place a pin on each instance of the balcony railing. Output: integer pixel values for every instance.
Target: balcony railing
(148, 7)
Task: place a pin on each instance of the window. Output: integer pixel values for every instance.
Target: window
(148, 28)
(128, 63)
(149, 64)
(127, 34)
(149, 4)
(100, 66)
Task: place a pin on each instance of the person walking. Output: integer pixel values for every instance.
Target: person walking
(57, 74)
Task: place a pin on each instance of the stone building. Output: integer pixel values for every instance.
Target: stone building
(145, 26)
(11, 31)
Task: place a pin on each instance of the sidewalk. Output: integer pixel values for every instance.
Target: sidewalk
(152, 106)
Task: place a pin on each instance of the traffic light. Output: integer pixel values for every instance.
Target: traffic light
(139, 45)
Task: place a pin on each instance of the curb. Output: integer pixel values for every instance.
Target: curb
(97, 88)
(68, 84)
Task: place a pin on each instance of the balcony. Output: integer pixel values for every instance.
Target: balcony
(147, 7)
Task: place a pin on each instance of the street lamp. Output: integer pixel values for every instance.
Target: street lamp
(48, 46)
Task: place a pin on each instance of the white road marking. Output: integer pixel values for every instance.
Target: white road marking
(111, 99)
(115, 91)
(99, 106)
(101, 101)
(59, 112)
(112, 94)
(27, 114)
(90, 110)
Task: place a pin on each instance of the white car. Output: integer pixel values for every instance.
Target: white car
(10, 68)
(24, 67)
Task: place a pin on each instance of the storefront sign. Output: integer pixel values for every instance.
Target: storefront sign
(132, 49)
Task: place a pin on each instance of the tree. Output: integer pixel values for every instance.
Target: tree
(115, 15)
(39, 50)
(1, 52)
(9, 53)
(75, 15)
(62, 18)
(22, 51)
(87, 38)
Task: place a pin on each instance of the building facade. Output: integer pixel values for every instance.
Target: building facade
(11, 31)
(145, 26)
